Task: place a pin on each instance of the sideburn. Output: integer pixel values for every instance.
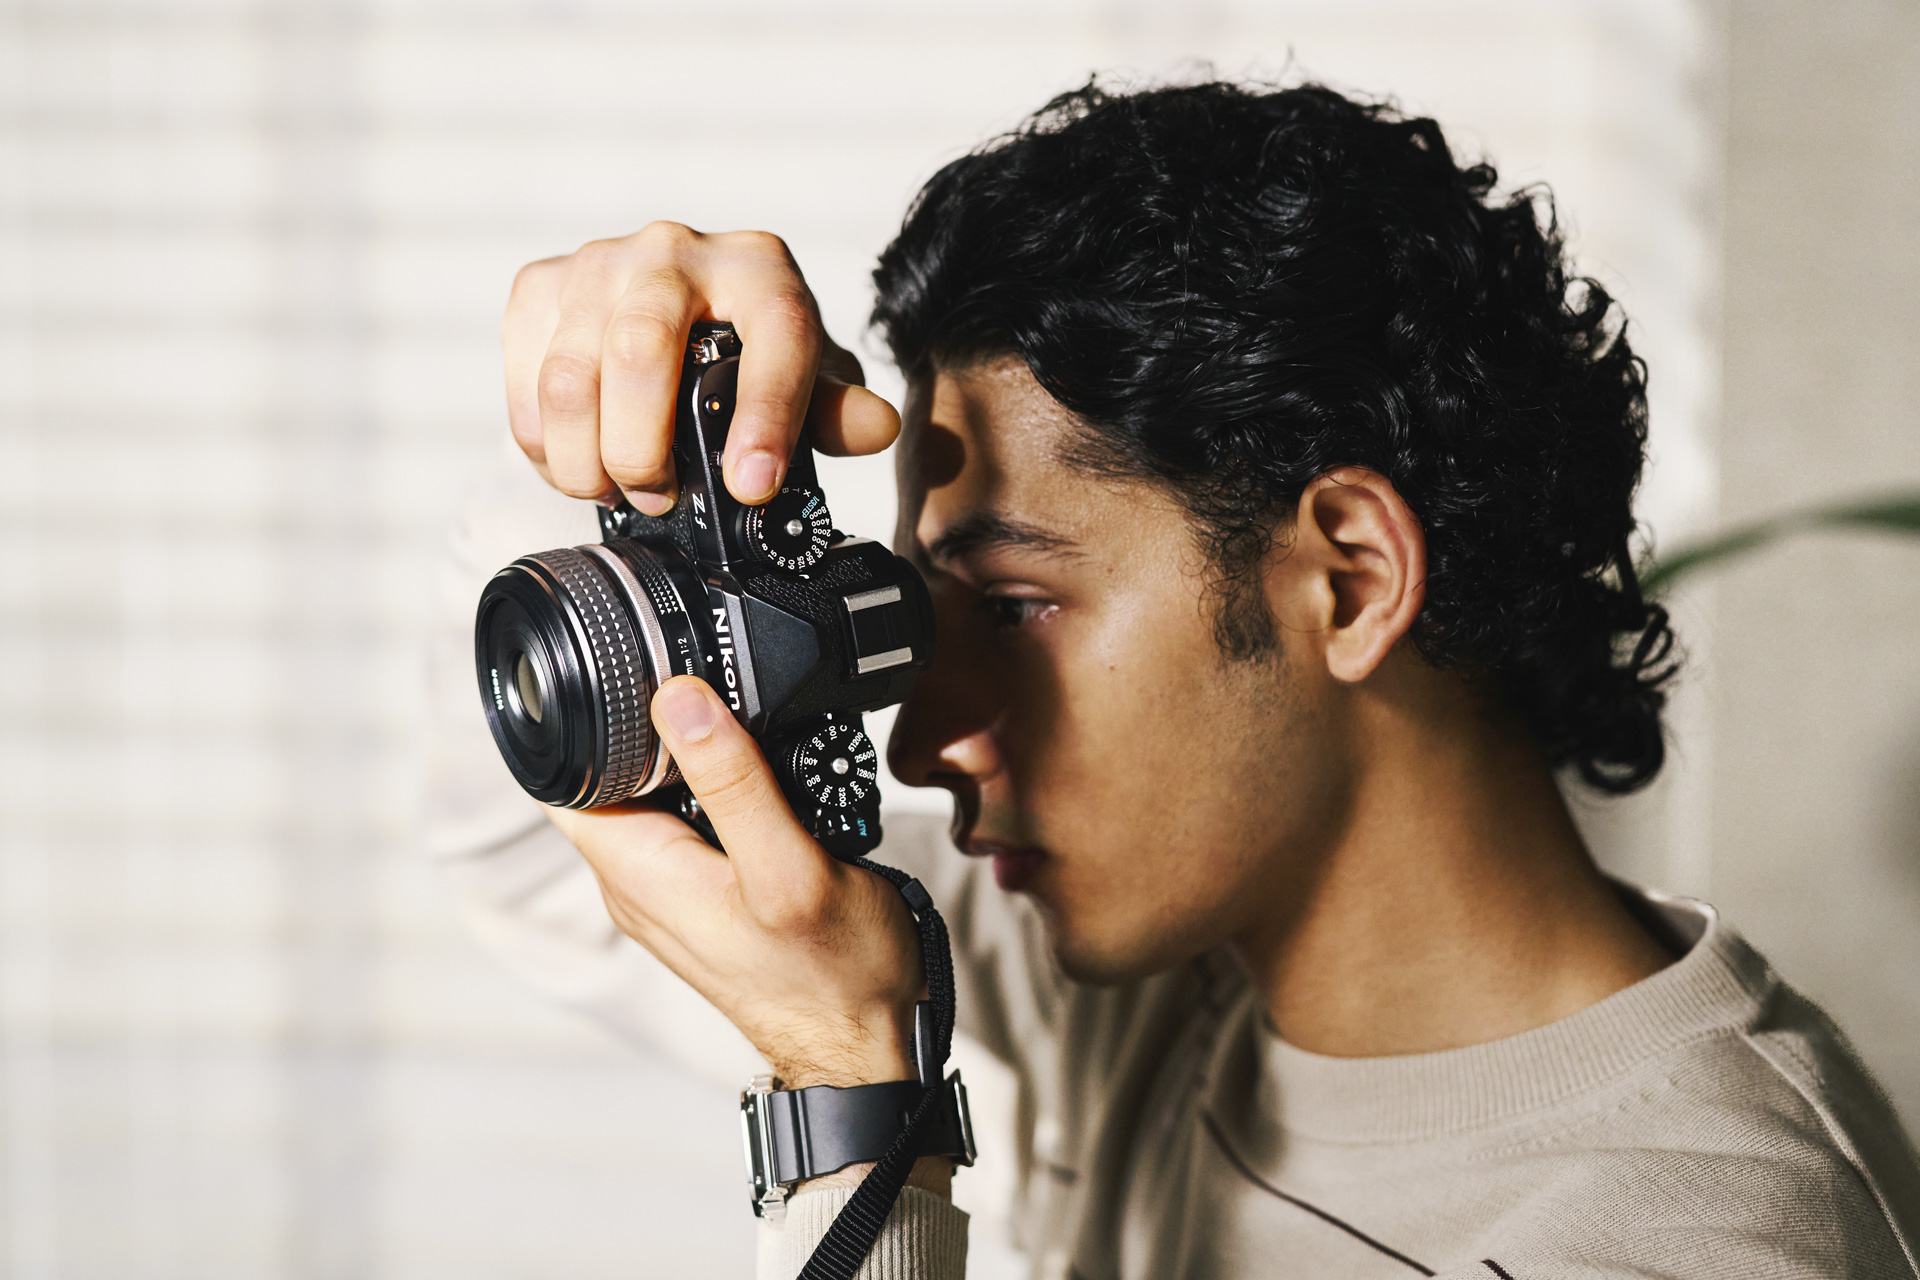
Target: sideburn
(1235, 546)
(1243, 625)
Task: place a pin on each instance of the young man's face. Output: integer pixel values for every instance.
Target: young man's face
(1153, 796)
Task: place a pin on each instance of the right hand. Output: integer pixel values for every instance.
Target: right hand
(815, 960)
(594, 346)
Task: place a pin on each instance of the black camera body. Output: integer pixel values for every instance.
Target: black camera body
(799, 628)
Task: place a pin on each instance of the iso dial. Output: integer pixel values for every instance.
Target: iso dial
(791, 529)
(837, 767)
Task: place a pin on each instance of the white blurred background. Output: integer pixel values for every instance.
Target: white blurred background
(252, 257)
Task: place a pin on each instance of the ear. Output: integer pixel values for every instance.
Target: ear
(1356, 572)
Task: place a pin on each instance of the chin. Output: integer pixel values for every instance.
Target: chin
(1096, 971)
(1097, 961)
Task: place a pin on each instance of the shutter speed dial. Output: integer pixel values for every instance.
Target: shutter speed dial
(792, 529)
(837, 768)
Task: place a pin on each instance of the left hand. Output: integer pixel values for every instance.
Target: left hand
(816, 961)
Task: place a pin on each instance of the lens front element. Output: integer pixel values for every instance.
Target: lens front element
(526, 681)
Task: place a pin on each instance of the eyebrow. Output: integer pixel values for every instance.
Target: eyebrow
(991, 531)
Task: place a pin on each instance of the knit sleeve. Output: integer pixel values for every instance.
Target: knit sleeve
(925, 1237)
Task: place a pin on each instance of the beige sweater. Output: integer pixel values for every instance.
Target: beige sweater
(1707, 1122)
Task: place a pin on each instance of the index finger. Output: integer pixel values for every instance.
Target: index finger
(780, 338)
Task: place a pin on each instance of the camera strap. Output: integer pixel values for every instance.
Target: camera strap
(847, 1242)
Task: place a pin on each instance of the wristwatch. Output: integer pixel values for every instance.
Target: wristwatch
(796, 1134)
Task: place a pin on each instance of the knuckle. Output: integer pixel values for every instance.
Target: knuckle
(760, 412)
(801, 909)
(665, 235)
(640, 339)
(576, 487)
(759, 419)
(535, 277)
(838, 362)
(631, 469)
(594, 255)
(763, 244)
(526, 433)
(793, 307)
(569, 384)
(731, 782)
(575, 475)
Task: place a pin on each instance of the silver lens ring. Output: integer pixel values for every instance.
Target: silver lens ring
(625, 737)
(654, 642)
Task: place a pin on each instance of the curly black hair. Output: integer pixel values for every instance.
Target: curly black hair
(1239, 288)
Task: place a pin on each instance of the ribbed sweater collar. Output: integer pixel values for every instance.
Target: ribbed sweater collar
(1719, 983)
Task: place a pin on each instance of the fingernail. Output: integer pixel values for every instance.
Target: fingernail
(650, 504)
(754, 476)
(688, 711)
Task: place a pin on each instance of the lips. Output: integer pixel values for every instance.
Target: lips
(1014, 865)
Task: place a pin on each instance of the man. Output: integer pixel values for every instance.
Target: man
(1272, 480)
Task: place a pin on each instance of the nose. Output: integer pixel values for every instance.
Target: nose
(944, 733)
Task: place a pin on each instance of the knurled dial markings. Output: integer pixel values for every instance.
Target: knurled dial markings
(792, 529)
(838, 767)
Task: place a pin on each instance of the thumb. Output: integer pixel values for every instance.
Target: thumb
(772, 853)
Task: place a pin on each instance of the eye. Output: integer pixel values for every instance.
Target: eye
(1014, 612)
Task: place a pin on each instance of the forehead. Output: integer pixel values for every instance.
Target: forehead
(988, 435)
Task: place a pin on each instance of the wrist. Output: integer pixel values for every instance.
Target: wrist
(843, 1073)
(878, 1052)
(932, 1174)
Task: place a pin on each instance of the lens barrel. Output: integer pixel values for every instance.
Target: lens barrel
(569, 647)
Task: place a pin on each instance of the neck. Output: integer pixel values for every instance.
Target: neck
(1457, 905)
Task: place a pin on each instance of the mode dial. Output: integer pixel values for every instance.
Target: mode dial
(792, 529)
(837, 768)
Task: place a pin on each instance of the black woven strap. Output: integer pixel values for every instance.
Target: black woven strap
(848, 1241)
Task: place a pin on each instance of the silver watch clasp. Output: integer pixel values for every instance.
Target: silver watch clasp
(756, 1127)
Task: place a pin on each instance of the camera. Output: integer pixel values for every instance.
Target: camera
(798, 627)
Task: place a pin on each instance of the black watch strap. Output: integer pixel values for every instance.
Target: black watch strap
(796, 1134)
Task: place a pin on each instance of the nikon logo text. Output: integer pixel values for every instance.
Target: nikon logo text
(731, 677)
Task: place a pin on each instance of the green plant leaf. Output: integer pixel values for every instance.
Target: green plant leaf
(1898, 513)
(1902, 513)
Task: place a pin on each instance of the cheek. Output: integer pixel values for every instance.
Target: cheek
(1171, 787)
(1127, 725)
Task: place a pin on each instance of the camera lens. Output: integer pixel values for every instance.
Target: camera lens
(569, 646)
